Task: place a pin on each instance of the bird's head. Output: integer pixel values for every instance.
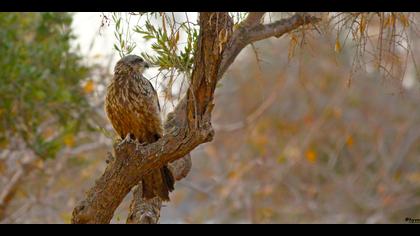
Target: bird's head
(131, 64)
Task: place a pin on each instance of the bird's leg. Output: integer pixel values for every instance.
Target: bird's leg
(127, 139)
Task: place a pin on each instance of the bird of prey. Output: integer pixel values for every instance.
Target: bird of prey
(132, 106)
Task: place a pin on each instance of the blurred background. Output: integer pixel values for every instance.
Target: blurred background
(301, 136)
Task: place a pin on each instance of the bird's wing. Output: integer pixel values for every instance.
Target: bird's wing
(154, 92)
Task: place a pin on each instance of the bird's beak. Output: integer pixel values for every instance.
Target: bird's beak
(146, 65)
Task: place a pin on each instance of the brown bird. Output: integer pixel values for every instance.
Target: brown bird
(132, 106)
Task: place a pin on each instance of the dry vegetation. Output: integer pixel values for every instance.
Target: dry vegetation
(319, 126)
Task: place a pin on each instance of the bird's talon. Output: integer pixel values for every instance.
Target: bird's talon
(127, 139)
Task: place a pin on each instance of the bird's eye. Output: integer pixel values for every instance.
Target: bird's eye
(139, 60)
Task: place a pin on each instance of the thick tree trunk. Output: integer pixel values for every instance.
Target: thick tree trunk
(144, 211)
(190, 128)
(148, 211)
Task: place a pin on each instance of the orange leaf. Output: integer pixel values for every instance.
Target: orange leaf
(404, 20)
(233, 175)
(362, 24)
(392, 19)
(387, 21)
(337, 46)
(89, 87)
(292, 45)
(311, 156)
(3, 166)
(349, 141)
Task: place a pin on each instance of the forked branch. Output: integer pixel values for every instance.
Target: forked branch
(252, 30)
(190, 123)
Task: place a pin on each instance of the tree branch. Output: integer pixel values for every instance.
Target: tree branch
(9, 191)
(144, 211)
(252, 19)
(251, 31)
(188, 126)
(280, 27)
(131, 162)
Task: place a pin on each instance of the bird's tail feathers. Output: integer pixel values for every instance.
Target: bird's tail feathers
(158, 183)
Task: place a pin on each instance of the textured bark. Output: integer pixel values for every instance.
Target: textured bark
(131, 162)
(188, 126)
(181, 167)
(144, 211)
(148, 211)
